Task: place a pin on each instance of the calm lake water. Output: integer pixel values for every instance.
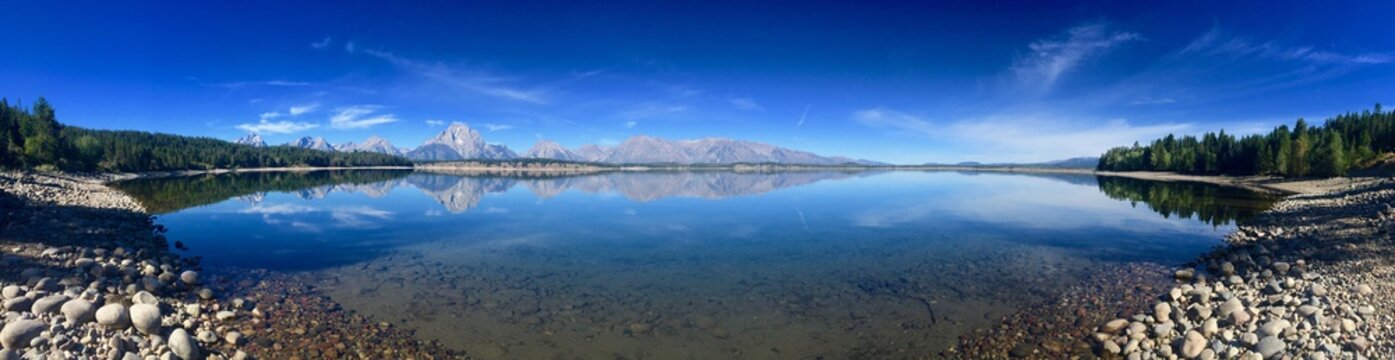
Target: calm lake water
(689, 264)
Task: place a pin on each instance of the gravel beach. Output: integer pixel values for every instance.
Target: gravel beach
(87, 274)
(1305, 280)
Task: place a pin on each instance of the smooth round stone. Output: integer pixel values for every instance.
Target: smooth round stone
(145, 297)
(19, 304)
(79, 311)
(48, 284)
(1269, 346)
(1114, 326)
(146, 318)
(49, 304)
(1162, 312)
(189, 277)
(114, 316)
(1274, 327)
(1193, 345)
(208, 337)
(12, 291)
(18, 334)
(234, 338)
(206, 294)
(183, 345)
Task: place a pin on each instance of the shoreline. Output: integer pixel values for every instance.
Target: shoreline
(1301, 280)
(1318, 213)
(104, 283)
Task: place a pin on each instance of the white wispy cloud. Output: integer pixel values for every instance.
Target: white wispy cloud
(358, 216)
(435, 123)
(322, 43)
(747, 104)
(631, 124)
(497, 127)
(278, 209)
(1217, 42)
(1218, 67)
(1051, 58)
(652, 110)
(1149, 100)
(359, 116)
(803, 116)
(278, 83)
(265, 125)
(277, 127)
(303, 109)
(474, 81)
(884, 118)
(1020, 137)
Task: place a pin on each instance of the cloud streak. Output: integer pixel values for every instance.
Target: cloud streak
(497, 127)
(359, 117)
(273, 83)
(473, 81)
(265, 125)
(747, 104)
(1019, 138)
(1216, 42)
(1051, 58)
(277, 127)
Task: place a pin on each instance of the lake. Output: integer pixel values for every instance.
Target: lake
(705, 264)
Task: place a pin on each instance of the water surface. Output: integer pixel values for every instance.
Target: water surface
(690, 264)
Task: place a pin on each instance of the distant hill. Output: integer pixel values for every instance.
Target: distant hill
(1087, 162)
(1084, 162)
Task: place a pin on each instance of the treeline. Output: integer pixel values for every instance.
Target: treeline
(1347, 141)
(166, 195)
(1211, 204)
(34, 139)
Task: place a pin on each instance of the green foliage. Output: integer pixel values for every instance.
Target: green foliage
(1342, 143)
(34, 138)
(170, 194)
(1215, 205)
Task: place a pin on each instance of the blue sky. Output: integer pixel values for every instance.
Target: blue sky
(893, 81)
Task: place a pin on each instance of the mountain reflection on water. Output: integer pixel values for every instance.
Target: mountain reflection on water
(458, 193)
(709, 264)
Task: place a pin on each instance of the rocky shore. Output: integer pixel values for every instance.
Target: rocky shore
(1304, 280)
(85, 273)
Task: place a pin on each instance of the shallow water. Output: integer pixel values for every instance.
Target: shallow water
(690, 264)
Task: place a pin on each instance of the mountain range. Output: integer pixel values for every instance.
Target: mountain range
(1084, 162)
(460, 142)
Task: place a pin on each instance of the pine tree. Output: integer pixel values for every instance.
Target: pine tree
(1330, 158)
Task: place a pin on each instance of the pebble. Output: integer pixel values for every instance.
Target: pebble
(146, 318)
(114, 316)
(18, 334)
(189, 277)
(1193, 345)
(183, 345)
(78, 311)
(1269, 346)
(49, 304)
